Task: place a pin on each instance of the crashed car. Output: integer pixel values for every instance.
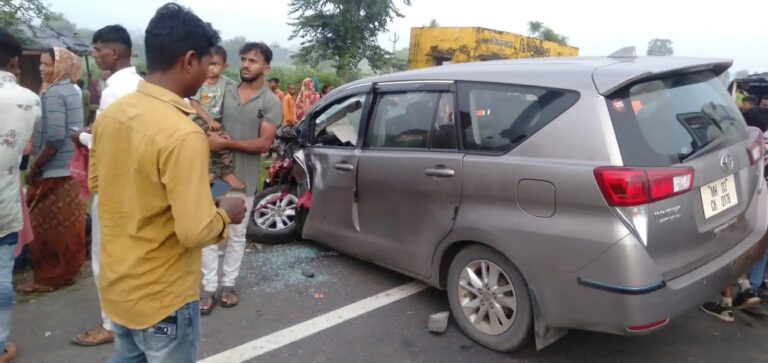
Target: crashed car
(606, 194)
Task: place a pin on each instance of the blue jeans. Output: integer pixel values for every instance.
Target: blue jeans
(757, 272)
(175, 339)
(6, 290)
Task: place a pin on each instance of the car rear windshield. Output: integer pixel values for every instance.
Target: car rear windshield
(669, 121)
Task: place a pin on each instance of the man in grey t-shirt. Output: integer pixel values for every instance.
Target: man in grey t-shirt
(251, 115)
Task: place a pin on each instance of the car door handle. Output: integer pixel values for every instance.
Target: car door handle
(344, 166)
(440, 172)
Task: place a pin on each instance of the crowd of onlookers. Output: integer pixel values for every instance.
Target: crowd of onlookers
(143, 149)
(753, 107)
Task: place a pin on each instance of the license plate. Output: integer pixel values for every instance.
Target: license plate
(718, 196)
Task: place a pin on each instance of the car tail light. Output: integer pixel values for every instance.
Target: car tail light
(627, 187)
(756, 147)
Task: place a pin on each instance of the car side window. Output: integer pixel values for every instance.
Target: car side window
(403, 120)
(497, 118)
(444, 130)
(338, 125)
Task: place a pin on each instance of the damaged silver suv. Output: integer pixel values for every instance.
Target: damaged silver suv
(606, 194)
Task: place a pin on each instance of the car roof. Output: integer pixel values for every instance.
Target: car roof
(603, 74)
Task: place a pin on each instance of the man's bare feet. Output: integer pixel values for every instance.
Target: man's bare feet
(232, 180)
(9, 354)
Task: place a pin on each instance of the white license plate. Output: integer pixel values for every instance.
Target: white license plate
(718, 196)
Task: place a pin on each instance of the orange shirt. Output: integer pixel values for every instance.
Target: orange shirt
(289, 110)
(280, 94)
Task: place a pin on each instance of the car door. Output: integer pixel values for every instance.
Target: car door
(409, 174)
(334, 136)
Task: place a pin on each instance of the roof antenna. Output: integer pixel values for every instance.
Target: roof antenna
(626, 52)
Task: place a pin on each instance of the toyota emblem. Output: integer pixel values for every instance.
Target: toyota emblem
(726, 162)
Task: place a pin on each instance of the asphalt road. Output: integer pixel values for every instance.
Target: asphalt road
(276, 295)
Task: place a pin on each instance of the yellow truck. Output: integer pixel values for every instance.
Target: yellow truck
(437, 46)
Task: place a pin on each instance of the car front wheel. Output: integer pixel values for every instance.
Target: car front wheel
(489, 299)
(275, 217)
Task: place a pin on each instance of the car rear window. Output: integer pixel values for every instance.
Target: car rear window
(498, 117)
(672, 120)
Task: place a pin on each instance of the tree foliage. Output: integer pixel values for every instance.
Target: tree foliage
(741, 74)
(660, 47)
(61, 25)
(345, 31)
(433, 24)
(538, 30)
(13, 12)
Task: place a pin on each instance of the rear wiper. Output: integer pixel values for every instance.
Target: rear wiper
(705, 149)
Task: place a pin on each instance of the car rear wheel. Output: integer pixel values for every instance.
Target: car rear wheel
(275, 217)
(489, 299)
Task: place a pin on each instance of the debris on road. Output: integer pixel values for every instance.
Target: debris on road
(278, 266)
(308, 273)
(438, 323)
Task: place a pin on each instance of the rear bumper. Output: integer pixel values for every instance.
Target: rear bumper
(620, 288)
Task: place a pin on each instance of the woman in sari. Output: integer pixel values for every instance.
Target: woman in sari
(56, 211)
(306, 99)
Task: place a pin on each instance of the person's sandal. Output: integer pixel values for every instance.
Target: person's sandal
(208, 299)
(94, 337)
(229, 294)
(33, 288)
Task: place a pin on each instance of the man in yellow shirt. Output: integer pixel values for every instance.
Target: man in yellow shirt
(149, 165)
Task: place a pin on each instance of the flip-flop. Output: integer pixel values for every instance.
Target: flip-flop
(229, 290)
(94, 337)
(205, 296)
(33, 288)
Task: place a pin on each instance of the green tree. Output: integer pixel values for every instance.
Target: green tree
(535, 28)
(538, 30)
(741, 74)
(660, 47)
(232, 46)
(344, 31)
(433, 24)
(60, 24)
(14, 12)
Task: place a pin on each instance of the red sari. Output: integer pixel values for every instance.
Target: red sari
(57, 214)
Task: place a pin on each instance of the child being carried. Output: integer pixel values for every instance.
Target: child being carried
(208, 102)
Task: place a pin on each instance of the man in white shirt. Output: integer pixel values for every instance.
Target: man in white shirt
(20, 108)
(112, 52)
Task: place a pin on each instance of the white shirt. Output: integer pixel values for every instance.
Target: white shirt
(20, 108)
(121, 83)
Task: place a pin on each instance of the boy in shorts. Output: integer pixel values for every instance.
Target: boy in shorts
(208, 103)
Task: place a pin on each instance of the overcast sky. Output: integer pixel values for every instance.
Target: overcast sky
(698, 28)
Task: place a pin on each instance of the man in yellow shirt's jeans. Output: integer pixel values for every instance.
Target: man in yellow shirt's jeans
(149, 165)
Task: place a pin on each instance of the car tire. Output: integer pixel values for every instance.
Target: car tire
(272, 234)
(519, 327)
